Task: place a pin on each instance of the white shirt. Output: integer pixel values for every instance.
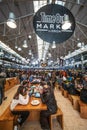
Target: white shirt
(22, 100)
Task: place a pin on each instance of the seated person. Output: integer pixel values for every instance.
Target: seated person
(21, 97)
(47, 97)
(35, 86)
(2, 88)
(83, 93)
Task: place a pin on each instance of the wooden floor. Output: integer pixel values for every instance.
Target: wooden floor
(72, 119)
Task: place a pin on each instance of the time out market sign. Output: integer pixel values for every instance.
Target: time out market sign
(48, 22)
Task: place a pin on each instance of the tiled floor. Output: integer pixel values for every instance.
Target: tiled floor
(72, 119)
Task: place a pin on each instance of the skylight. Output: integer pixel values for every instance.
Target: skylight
(42, 50)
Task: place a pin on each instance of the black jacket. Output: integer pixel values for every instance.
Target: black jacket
(2, 82)
(49, 99)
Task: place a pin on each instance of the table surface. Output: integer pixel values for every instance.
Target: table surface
(31, 107)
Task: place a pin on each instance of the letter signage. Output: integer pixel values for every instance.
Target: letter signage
(48, 22)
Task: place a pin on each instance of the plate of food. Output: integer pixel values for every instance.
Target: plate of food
(35, 102)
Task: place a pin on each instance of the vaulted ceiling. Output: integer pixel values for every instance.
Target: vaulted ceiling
(24, 12)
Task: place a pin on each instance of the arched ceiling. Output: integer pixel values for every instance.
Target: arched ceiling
(24, 12)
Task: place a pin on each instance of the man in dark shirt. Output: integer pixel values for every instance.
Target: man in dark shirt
(2, 87)
(83, 93)
(85, 81)
(47, 97)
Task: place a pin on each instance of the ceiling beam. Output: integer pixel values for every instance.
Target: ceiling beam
(84, 25)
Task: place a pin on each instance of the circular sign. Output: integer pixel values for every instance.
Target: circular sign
(48, 22)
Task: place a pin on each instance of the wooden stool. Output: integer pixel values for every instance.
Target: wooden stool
(83, 109)
(75, 102)
(70, 98)
(59, 116)
(65, 93)
(62, 91)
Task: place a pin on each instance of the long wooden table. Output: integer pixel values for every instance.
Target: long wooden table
(34, 109)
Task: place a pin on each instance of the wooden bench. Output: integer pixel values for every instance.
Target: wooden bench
(75, 101)
(70, 98)
(83, 109)
(59, 116)
(11, 82)
(62, 90)
(7, 120)
(65, 93)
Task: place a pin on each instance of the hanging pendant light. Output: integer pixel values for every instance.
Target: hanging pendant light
(66, 23)
(30, 53)
(19, 49)
(11, 20)
(16, 46)
(1, 52)
(29, 36)
(25, 44)
(54, 45)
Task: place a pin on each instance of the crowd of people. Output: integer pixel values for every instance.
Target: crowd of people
(75, 83)
(32, 86)
(42, 84)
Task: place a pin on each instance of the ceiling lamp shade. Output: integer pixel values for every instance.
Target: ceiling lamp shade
(49, 54)
(30, 53)
(54, 45)
(1, 53)
(59, 2)
(79, 44)
(25, 44)
(66, 23)
(11, 20)
(29, 36)
(19, 49)
(16, 46)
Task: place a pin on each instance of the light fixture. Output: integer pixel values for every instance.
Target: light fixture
(1, 53)
(59, 2)
(19, 49)
(11, 20)
(29, 36)
(69, 52)
(16, 46)
(25, 44)
(78, 1)
(80, 45)
(49, 54)
(54, 45)
(30, 53)
(66, 23)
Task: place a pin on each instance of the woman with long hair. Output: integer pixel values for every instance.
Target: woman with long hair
(21, 97)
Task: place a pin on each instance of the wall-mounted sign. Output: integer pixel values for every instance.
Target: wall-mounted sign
(48, 22)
